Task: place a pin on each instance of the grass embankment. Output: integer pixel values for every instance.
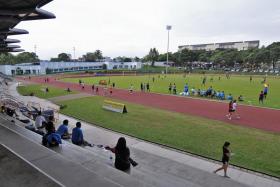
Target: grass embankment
(236, 85)
(254, 149)
(40, 91)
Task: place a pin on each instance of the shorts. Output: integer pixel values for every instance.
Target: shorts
(265, 93)
(225, 160)
(231, 110)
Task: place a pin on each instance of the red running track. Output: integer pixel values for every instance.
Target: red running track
(255, 117)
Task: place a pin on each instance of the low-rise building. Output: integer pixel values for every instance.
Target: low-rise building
(46, 67)
(245, 45)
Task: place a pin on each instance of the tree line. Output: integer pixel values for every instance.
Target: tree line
(251, 58)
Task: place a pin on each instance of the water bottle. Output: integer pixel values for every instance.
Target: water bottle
(111, 162)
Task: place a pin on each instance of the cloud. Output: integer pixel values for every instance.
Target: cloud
(130, 27)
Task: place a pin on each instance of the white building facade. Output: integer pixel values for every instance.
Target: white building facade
(43, 68)
(245, 45)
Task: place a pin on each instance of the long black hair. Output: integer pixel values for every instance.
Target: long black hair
(226, 144)
(121, 145)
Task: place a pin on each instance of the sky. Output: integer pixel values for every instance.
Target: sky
(132, 27)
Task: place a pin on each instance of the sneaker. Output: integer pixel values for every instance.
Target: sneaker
(226, 176)
(229, 118)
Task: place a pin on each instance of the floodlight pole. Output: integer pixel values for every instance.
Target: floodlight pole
(35, 48)
(168, 28)
(74, 53)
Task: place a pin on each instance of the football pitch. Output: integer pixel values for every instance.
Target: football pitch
(236, 85)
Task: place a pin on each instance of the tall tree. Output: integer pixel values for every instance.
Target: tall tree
(90, 57)
(274, 49)
(62, 57)
(27, 57)
(7, 58)
(98, 54)
(153, 55)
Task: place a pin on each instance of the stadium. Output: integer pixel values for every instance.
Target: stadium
(93, 121)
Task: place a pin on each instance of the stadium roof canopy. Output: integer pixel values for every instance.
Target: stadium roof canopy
(12, 12)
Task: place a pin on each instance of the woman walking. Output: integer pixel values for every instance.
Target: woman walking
(225, 159)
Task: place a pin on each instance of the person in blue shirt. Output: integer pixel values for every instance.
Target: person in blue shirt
(78, 137)
(222, 95)
(265, 91)
(186, 90)
(63, 130)
(229, 97)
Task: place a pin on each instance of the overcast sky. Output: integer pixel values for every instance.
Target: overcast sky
(132, 27)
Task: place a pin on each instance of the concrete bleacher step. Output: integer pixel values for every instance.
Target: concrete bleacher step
(151, 171)
(69, 164)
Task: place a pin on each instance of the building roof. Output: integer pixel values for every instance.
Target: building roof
(12, 12)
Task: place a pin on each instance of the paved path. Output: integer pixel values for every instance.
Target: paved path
(255, 117)
(171, 166)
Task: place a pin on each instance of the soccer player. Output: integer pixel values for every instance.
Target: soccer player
(261, 96)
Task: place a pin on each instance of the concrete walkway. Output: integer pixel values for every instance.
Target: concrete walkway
(69, 97)
(163, 164)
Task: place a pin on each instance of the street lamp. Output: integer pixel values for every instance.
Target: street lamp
(168, 28)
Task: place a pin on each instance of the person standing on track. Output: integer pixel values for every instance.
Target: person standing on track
(234, 109)
(96, 90)
(230, 110)
(111, 90)
(131, 89)
(92, 88)
(225, 159)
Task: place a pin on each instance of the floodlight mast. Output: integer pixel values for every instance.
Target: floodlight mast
(168, 28)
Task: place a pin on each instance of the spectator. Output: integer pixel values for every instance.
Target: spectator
(78, 137)
(225, 159)
(122, 155)
(240, 98)
(50, 138)
(186, 88)
(40, 123)
(229, 97)
(222, 95)
(63, 130)
(3, 109)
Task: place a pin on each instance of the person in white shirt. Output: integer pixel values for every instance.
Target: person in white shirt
(234, 107)
(39, 122)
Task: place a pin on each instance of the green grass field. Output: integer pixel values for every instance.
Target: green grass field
(39, 91)
(254, 149)
(236, 85)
